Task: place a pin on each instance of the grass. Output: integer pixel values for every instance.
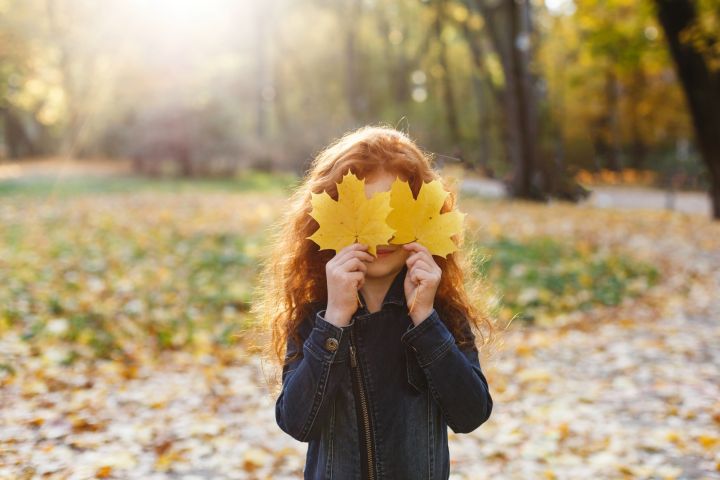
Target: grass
(543, 277)
(82, 185)
(108, 290)
(102, 279)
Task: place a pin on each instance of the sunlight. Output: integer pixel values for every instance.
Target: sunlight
(180, 16)
(177, 35)
(560, 7)
(191, 23)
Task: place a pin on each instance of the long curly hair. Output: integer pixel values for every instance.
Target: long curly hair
(292, 282)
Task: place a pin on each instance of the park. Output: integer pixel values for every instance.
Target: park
(148, 151)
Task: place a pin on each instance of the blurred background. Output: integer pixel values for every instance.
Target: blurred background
(532, 93)
(147, 147)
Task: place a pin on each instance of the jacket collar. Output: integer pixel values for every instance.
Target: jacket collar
(395, 294)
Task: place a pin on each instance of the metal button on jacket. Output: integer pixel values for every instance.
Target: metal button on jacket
(331, 344)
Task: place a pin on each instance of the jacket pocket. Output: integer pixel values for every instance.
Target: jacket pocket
(415, 375)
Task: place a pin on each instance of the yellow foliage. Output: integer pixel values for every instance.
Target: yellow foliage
(352, 218)
(394, 216)
(420, 219)
(627, 176)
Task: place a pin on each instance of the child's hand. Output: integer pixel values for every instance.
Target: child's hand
(423, 274)
(345, 274)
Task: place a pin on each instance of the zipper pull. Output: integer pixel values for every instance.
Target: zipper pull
(353, 360)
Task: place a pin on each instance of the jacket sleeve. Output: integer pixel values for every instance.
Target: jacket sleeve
(453, 374)
(309, 383)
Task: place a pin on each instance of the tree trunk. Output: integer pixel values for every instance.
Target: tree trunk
(484, 124)
(715, 198)
(701, 86)
(398, 66)
(507, 27)
(612, 98)
(351, 10)
(639, 146)
(485, 92)
(17, 140)
(263, 75)
(498, 23)
(524, 102)
(448, 92)
(72, 131)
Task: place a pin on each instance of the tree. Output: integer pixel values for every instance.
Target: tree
(508, 24)
(447, 86)
(700, 78)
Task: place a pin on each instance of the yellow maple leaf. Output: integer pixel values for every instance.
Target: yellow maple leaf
(352, 218)
(420, 219)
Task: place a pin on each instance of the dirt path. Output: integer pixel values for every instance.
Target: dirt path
(618, 197)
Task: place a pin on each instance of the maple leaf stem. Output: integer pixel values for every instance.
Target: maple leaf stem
(412, 304)
(358, 298)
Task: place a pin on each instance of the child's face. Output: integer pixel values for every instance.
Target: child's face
(390, 258)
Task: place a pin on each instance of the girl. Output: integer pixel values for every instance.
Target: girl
(371, 388)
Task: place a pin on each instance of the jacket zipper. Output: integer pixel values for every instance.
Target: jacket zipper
(363, 407)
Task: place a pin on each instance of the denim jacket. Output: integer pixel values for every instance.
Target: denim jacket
(374, 399)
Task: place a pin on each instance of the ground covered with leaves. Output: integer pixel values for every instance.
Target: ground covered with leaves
(125, 350)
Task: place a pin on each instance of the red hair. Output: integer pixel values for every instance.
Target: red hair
(292, 280)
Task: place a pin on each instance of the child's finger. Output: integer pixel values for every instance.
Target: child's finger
(357, 246)
(421, 264)
(418, 256)
(413, 258)
(416, 247)
(419, 276)
(346, 251)
(355, 254)
(353, 264)
(353, 278)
